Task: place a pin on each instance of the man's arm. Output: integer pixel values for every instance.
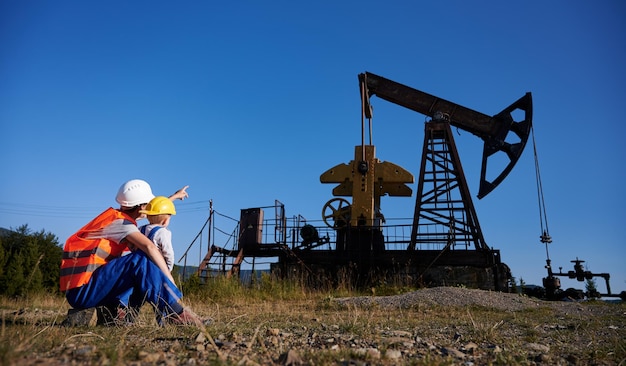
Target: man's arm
(139, 241)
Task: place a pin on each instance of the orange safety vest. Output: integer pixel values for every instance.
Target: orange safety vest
(82, 256)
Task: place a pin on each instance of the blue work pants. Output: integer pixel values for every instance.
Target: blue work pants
(134, 273)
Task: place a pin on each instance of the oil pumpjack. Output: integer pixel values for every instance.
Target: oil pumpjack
(444, 218)
(443, 245)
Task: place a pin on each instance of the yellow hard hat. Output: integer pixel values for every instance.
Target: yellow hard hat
(160, 205)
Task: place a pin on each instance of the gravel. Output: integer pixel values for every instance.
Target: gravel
(447, 296)
(458, 296)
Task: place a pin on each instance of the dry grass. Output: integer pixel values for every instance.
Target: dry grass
(261, 325)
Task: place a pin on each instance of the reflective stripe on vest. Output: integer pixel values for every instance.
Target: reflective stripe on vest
(82, 256)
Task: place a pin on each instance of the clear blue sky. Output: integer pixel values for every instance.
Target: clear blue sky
(250, 101)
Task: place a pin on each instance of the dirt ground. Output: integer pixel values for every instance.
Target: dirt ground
(431, 326)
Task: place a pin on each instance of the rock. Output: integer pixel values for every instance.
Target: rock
(373, 353)
(150, 357)
(399, 341)
(538, 347)
(291, 358)
(453, 352)
(201, 338)
(393, 354)
(85, 351)
(470, 347)
(495, 348)
(402, 333)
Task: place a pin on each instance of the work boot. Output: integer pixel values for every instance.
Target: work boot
(116, 315)
(126, 315)
(81, 317)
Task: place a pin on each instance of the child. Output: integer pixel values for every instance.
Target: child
(159, 211)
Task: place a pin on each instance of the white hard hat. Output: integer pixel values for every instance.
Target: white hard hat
(134, 192)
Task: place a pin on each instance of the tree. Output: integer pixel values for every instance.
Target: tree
(12, 283)
(592, 289)
(513, 285)
(3, 256)
(30, 262)
(50, 253)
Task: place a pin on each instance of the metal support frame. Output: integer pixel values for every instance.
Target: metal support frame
(443, 201)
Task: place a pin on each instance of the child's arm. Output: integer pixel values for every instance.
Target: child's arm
(181, 194)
